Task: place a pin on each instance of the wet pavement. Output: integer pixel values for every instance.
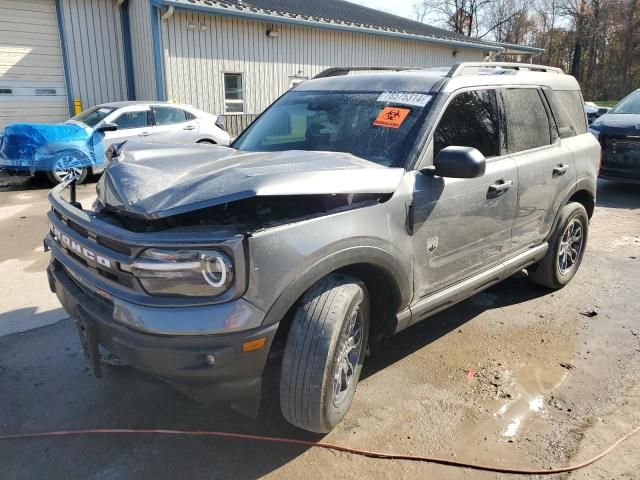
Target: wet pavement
(514, 376)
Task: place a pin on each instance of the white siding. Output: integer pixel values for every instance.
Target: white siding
(195, 59)
(142, 49)
(95, 50)
(31, 58)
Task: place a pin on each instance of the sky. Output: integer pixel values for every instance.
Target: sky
(403, 8)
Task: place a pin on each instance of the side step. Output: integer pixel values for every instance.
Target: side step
(438, 301)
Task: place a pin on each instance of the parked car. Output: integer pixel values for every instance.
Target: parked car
(593, 111)
(618, 132)
(354, 207)
(143, 122)
(59, 151)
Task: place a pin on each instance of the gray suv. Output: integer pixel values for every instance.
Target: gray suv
(358, 204)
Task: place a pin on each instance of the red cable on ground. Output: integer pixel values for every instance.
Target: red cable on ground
(328, 446)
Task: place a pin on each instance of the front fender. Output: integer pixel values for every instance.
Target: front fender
(284, 261)
(316, 268)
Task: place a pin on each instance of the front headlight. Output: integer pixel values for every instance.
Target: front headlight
(185, 273)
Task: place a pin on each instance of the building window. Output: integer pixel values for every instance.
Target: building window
(6, 91)
(233, 93)
(45, 91)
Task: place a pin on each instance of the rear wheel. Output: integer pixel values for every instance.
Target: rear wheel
(324, 353)
(566, 249)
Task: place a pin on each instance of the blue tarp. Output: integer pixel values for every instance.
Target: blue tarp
(48, 147)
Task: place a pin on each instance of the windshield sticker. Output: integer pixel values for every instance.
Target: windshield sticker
(104, 110)
(391, 117)
(405, 98)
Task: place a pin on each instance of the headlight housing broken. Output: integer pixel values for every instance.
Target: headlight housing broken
(184, 273)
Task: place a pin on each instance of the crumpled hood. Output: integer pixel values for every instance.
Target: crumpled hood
(618, 124)
(159, 181)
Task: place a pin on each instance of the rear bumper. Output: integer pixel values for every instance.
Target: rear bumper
(177, 359)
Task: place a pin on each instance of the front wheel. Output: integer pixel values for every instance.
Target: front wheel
(65, 167)
(566, 249)
(324, 353)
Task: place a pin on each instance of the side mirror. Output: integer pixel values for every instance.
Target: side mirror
(458, 162)
(107, 127)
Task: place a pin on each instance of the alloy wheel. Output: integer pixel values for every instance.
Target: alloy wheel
(571, 245)
(348, 357)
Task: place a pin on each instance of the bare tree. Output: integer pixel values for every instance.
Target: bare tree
(597, 41)
(459, 15)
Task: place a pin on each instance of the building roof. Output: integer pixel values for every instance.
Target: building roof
(337, 14)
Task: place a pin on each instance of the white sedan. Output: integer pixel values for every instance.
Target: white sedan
(149, 122)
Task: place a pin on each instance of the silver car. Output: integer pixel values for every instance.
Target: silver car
(352, 208)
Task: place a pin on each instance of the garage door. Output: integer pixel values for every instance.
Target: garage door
(32, 87)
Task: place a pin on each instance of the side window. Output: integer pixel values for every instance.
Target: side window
(233, 93)
(470, 120)
(527, 123)
(169, 115)
(138, 119)
(572, 103)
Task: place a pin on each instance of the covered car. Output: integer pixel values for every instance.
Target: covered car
(618, 132)
(59, 151)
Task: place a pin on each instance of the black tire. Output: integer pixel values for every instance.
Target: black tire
(318, 337)
(550, 272)
(206, 141)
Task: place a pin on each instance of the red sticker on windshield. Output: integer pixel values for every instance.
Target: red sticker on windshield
(391, 117)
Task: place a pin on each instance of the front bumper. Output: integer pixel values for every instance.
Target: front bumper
(620, 175)
(177, 359)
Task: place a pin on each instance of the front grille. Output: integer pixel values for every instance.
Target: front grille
(101, 240)
(114, 273)
(620, 152)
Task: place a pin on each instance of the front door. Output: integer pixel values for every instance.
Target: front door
(462, 226)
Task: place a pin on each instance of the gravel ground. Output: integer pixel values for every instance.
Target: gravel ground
(515, 376)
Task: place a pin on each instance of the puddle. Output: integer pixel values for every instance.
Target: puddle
(518, 397)
(530, 387)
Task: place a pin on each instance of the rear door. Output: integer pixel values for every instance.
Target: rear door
(174, 125)
(462, 226)
(546, 171)
(134, 125)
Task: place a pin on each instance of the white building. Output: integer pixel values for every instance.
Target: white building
(232, 57)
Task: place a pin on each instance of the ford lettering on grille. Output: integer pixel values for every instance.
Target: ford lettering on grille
(81, 250)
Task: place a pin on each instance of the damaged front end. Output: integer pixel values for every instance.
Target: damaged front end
(620, 157)
(158, 271)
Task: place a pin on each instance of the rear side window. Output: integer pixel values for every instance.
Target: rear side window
(527, 124)
(169, 115)
(132, 120)
(470, 120)
(571, 103)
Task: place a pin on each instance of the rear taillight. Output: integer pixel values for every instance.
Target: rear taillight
(220, 122)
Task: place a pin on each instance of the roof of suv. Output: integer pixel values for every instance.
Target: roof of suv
(439, 79)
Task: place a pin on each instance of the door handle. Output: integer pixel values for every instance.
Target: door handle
(560, 170)
(189, 127)
(499, 188)
(144, 134)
